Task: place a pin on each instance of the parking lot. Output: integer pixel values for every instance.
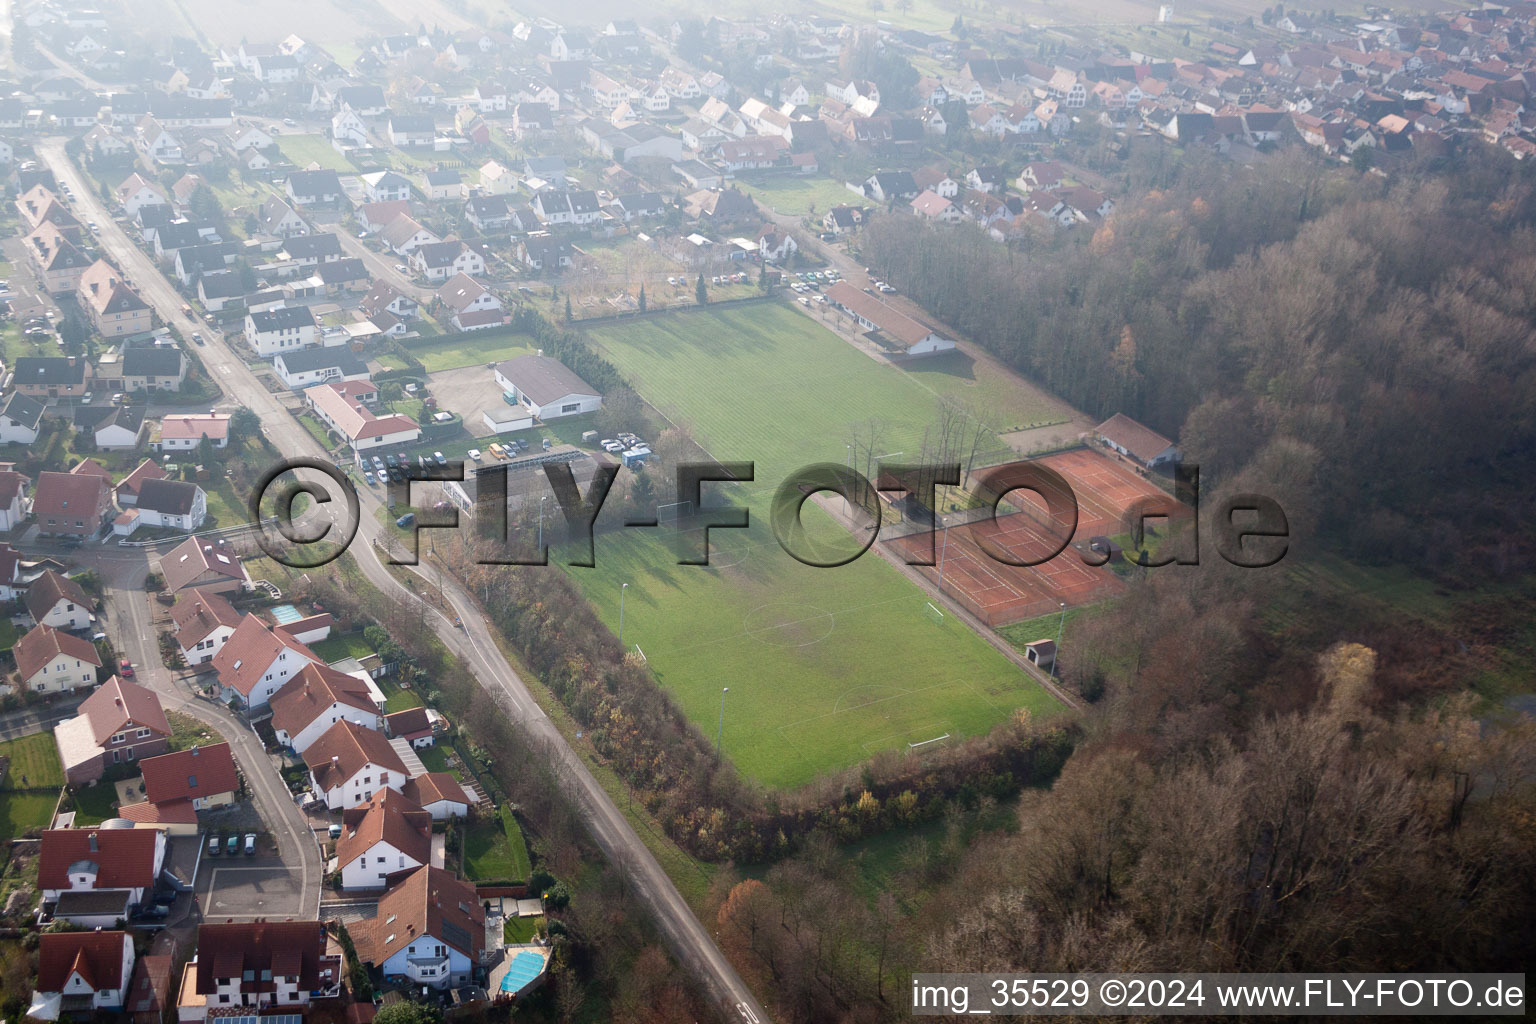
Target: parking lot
(468, 391)
(240, 887)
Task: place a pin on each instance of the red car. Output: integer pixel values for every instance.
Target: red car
(125, 669)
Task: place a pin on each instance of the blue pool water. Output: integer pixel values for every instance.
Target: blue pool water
(286, 613)
(524, 968)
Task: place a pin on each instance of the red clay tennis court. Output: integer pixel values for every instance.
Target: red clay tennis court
(998, 593)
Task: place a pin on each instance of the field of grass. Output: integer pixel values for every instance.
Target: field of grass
(794, 194)
(22, 811)
(35, 758)
(306, 149)
(495, 850)
(826, 667)
(94, 804)
(397, 699)
(520, 930)
(785, 392)
(472, 350)
(342, 645)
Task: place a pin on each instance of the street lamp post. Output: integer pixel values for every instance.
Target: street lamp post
(1059, 626)
(721, 727)
(944, 520)
(622, 587)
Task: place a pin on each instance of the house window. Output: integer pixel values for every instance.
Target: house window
(143, 733)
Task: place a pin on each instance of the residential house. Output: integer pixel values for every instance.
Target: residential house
(542, 251)
(445, 185)
(136, 192)
(546, 387)
(154, 368)
(932, 206)
(94, 877)
(385, 297)
(166, 505)
(256, 661)
(205, 776)
(48, 660)
(386, 186)
(51, 377)
(121, 721)
(58, 601)
(14, 507)
(775, 245)
(337, 405)
(488, 214)
(283, 328)
(204, 623)
(80, 973)
(408, 130)
(386, 835)
(113, 427)
(127, 491)
(404, 234)
(279, 219)
(348, 764)
(184, 432)
(439, 794)
(19, 419)
(258, 967)
(314, 188)
(414, 725)
(310, 366)
(209, 566)
(886, 186)
(317, 698)
(429, 930)
(471, 305)
(71, 504)
(438, 261)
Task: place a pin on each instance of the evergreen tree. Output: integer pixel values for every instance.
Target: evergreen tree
(699, 291)
(642, 298)
(568, 316)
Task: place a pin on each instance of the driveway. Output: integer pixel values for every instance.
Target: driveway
(468, 391)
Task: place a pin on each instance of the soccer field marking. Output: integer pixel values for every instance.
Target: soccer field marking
(866, 704)
(837, 705)
(895, 740)
(761, 633)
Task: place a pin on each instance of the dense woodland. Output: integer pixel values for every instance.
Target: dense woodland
(1358, 346)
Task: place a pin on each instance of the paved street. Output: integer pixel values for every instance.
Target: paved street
(689, 939)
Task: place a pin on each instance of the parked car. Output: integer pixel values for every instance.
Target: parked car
(406, 521)
(368, 477)
(438, 456)
(213, 846)
(334, 831)
(232, 845)
(391, 461)
(197, 339)
(474, 453)
(250, 844)
(496, 450)
(402, 268)
(125, 668)
(378, 463)
(547, 445)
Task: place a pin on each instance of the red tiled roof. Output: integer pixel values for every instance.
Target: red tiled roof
(186, 774)
(193, 557)
(428, 789)
(311, 692)
(420, 905)
(150, 989)
(1141, 441)
(117, 702)
(124, 857)
(352, 746)
(282, 947)
(410, 722)
(390, 818)
(49, 589)
(250, 651)
(44, 643)
(198, 614)
(149, 469)
(98, 956)
(172, 812)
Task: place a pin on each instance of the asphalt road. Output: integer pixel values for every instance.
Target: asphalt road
(688, 938)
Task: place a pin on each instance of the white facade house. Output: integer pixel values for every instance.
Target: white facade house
(546, 388)
(82, 969)
(285, 328)
(348, 764)
(317, 698)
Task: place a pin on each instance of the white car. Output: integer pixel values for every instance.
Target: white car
(402, 268)
(474, 453)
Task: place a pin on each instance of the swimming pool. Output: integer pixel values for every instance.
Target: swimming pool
(286, 613)
(521, 972)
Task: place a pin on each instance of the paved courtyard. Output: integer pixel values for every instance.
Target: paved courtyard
(468, 391)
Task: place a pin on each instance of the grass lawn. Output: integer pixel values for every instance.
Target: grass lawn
(826, 667)
(306, 149)
(793, 194)
(496, 850)
(521, 930)
(785, 392)
(94, 804)
(435, 758)
(187, 732)
(397, 699)
(225, 507)
(37, 758)
(8, 635)
(22, 811)
(342, 645)
(472, 350)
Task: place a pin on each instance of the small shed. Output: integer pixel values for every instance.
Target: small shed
(1041, 653)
